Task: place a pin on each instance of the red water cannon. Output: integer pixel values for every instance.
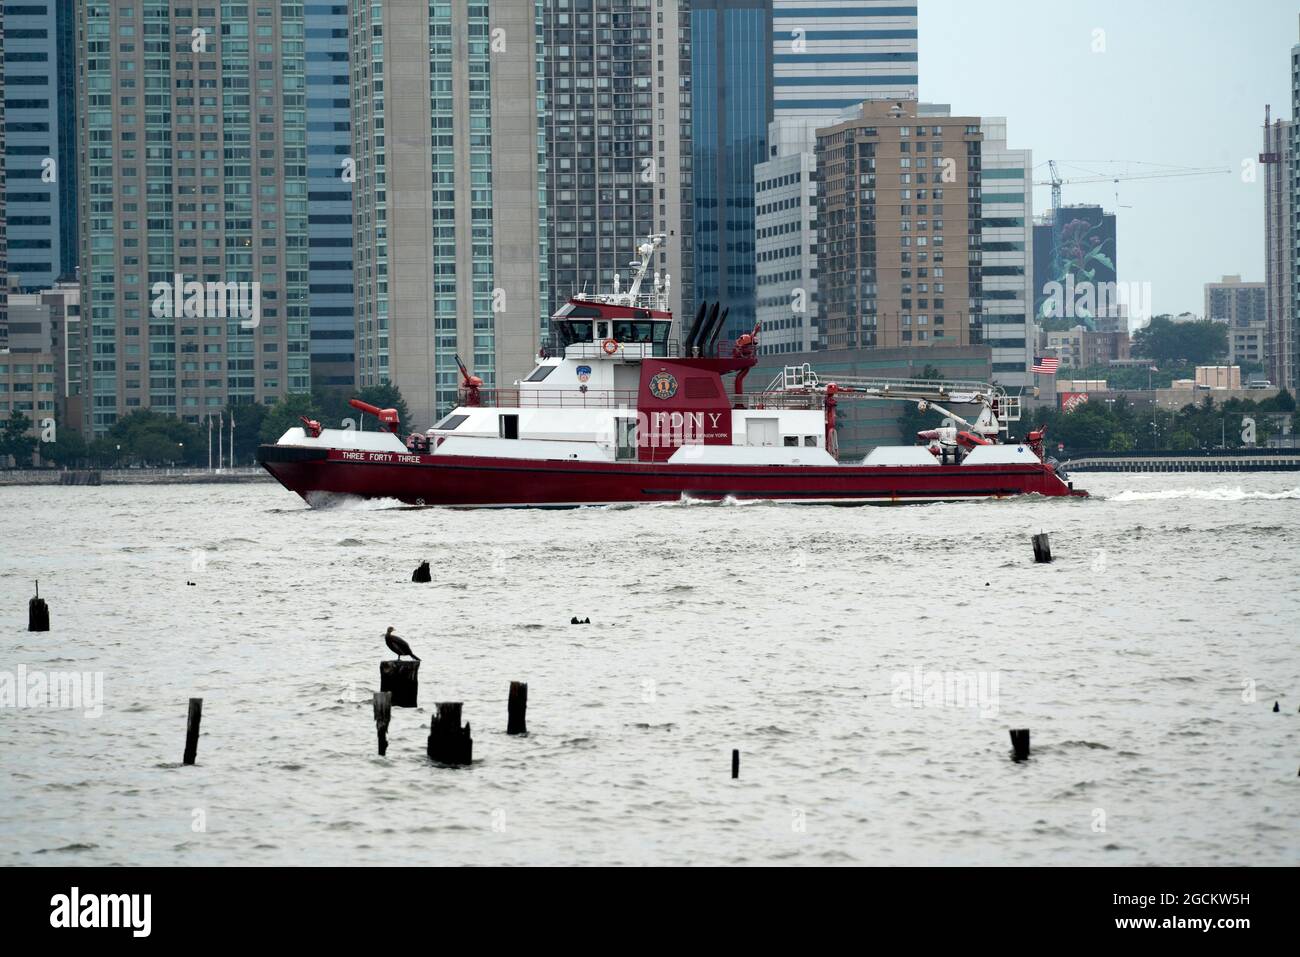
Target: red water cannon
(387, 417)
(310, 426)
(746, 346)
(471, 383)
(969, 440)
(1035, 440)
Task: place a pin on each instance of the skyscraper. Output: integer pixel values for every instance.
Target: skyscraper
(731, 102)
(1007, 254)
(1292, 354)
(830, 55)
(193, 216)
(618, 108)
(41, 114)
(4, 219)
(785, 231)
(329, 218)
(899, 229)
(1280, 341)
(827, 56)
(450, 254)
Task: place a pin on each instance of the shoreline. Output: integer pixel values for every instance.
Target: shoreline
(28, 477)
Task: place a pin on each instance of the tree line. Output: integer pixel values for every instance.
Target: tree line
(152, 439)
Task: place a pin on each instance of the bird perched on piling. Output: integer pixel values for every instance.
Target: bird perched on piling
(397, 645)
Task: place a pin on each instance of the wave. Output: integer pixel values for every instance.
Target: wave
(1221, 494)
(353, 503)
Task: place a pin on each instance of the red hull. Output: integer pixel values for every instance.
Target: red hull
(469, 481)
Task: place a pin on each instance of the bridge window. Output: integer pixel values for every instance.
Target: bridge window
(628, 331)
(540, 373)
(570, 332)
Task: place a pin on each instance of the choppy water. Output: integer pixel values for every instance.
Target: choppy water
(782, 630)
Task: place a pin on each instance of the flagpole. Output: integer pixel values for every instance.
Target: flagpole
(232, 438)
(209, 441)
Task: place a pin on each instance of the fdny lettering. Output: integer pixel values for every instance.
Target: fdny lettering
(381, 457)
(667, 430)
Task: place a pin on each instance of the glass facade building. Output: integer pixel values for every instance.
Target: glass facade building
(329, 191)
(41, 187)
(731, 77)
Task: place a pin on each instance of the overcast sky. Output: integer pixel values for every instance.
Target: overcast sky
(1180, 83)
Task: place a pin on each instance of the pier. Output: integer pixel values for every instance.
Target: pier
(1217, 460)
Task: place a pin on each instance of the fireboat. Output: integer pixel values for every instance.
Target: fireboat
(620, 412)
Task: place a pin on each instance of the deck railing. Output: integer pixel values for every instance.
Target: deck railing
(625, 399)
(668, 349)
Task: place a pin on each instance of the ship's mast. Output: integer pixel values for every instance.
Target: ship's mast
(633, 297)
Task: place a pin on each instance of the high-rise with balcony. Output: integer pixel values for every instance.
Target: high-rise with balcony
(41, 188)
(329, 217)
(731, 104)
(449, 209)
(618, 114)
(1280, 339)
(899, 229)
(193, 205)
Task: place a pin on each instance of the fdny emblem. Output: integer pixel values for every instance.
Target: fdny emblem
(663, 385)
(584, 373)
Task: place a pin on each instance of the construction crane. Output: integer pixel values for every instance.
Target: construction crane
(1056, 182)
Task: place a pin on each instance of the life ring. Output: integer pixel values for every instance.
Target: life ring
(610, 346)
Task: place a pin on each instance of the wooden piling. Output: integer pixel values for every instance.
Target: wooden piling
(1276, 707)
(449, 743)
(383, 713)
(516, 709)
(1042, 549)
(422, 574)
(402, 678)
(192, 730)
(38, 613)
(1020, 744)
(735, 763)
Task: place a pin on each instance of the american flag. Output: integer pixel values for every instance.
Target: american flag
(1046, 365)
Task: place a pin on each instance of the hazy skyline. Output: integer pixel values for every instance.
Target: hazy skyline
(1180, 84)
